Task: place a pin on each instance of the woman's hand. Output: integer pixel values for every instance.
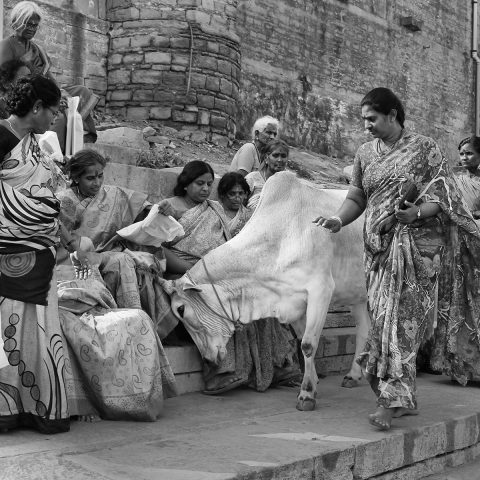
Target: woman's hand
(165, 208)
(81, 264)
(408, 215)
(334, 224)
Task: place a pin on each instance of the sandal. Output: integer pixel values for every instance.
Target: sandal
(229, 384)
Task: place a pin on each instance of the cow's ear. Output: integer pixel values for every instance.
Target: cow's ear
(190, 285)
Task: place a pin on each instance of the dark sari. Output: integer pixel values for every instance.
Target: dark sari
(416, 274)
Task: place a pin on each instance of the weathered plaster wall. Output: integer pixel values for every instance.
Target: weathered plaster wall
(175, 60)
(309, 63)
(75, 38)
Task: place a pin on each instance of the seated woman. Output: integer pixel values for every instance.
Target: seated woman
(10, 72)
(468, 178)
(233, 191)
(249, 156)
(118, 368)
(275, 160)
(25, 20)
(97, 211)
(264, 352)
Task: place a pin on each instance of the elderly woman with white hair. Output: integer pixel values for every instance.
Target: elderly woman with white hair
(248, 157)
(25, 20)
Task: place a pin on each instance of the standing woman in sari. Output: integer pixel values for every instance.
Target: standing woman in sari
(413, 214)
(32, 355)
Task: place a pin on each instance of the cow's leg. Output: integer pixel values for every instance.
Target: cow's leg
(362, 320)
(318, 300)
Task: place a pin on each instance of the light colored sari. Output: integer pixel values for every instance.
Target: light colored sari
(117, 363)
(32, 385)
(416, 273)
(130, 271)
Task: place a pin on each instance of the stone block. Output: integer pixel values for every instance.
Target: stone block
(140, 41)
(179, 59)
(122, 137)
(115, 59)
(120, 43)
(213, 84)
(226, 87)
(137, 113)
(120, 76)
(220, 104)
(189, 3)
(225, 67)
(151, 77)
(142, 95)
(150, 13)
(182, 116)
(160, 113)
(164, 97)
(183, 43)
(130, 58)
(120, 95)
(212, 47)
(174, 79)
(198, 80)
(208, 5)
(197, 16)
(218, 122)
(178, 68)
(206, 101)
(160, 139)
(158, 57)
(160, 42)
(124, 14)
(203, 117)
(205, 62)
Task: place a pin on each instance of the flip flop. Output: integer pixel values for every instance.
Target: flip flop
(225, 388)
(373, 419)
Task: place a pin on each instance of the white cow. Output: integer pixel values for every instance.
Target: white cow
(280, 265)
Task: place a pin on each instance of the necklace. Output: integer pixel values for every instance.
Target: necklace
(12, 129)
(382, 148)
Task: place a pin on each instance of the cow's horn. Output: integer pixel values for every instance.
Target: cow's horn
(168, 285)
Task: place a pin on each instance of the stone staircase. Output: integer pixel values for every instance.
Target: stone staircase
(337, 344)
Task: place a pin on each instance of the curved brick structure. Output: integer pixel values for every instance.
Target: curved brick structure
(177, 61)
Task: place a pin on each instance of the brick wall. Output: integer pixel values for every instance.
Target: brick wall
(176, 61)
(309, 63)
(74, 38)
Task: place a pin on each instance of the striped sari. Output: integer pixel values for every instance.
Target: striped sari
(32, 384)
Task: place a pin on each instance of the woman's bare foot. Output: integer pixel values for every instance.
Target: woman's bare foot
(403, 412)
(382, 418)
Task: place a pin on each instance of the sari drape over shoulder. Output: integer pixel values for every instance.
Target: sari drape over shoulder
(415, 273)
(206, 227)
(32, 385)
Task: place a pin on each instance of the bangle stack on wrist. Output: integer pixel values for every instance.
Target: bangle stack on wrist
(69, 247)
(335, 217)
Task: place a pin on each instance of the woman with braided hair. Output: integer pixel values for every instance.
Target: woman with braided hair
(32, 356)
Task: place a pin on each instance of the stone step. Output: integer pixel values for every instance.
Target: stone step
(334, 356)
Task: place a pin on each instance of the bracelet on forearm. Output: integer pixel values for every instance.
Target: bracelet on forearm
(67, 245)
(335, 217)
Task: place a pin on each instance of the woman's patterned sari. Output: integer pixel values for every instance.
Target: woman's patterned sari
(32, 384)
(420, 275)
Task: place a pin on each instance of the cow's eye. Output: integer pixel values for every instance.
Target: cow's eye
(181, 310)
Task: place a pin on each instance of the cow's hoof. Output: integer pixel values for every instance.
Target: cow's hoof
(349, 382)
(306, 404)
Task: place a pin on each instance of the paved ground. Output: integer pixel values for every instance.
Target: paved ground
(244, 434)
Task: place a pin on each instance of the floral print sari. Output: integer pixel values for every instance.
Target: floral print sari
(416, 274)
